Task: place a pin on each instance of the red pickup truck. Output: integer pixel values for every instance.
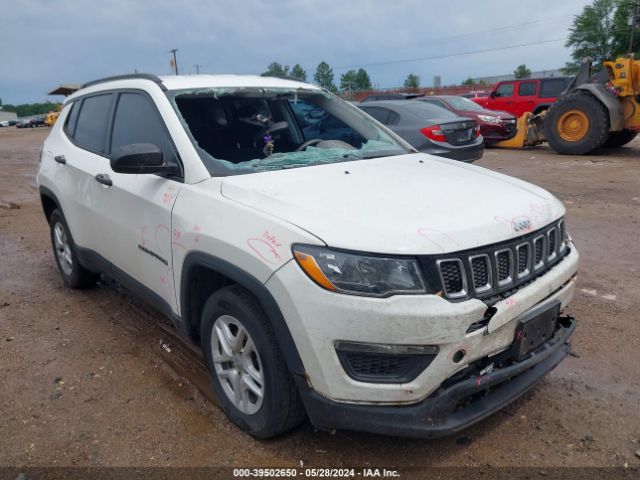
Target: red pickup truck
(527, 95)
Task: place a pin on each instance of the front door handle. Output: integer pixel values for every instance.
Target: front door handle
(60, 159)
(104, 179)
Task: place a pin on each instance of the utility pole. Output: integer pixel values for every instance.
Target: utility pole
(175, 60)
(634, 21)
(197, 68)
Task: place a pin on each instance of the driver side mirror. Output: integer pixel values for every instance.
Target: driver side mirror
(493, 94)
(140, 158)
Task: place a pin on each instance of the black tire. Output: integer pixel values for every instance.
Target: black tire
(618, 139)
(597, 131)
(281, 408)
(76, 276)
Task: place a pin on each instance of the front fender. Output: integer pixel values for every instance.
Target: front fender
(612, 104)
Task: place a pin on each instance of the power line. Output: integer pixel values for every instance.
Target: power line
(435, 57)
(499, 29)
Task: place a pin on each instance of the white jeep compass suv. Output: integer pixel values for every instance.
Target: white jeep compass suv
(323, 265)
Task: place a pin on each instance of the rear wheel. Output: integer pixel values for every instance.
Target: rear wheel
(248, 373)
(618, 139)
(577, 124)
(64, 250)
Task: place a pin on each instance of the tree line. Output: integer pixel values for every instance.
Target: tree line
(352, 80)
(29, 109)
(603, 32)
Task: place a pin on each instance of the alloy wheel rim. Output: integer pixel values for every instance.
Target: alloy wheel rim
(573, 125)
(63, 249)
(237, 364)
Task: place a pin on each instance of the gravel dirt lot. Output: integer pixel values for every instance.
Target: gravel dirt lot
(97, 378)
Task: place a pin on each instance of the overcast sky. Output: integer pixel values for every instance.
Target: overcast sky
(49, 42)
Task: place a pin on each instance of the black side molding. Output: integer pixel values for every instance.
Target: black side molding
(253, 285)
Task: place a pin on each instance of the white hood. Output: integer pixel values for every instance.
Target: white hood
(410, 204)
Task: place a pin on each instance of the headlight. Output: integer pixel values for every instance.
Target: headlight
(359, 274)
(489, 119)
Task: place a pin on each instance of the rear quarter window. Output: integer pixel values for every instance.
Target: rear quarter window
(552, 87)
(379, 113)
(91, 129)
(72, 119)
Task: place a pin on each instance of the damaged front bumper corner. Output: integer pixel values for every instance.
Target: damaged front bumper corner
(449, 409)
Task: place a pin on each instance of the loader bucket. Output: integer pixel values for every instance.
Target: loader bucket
(529, 132)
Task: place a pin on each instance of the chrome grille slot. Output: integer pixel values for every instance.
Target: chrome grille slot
(523, 252)
(496, 271)
(562, 234)
(552, 243)
(480, 272)
(453, 277)
(538, 247)
(504, 266)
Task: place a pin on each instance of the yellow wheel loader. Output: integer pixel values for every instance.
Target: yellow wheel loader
(601, 110)
(52, 116)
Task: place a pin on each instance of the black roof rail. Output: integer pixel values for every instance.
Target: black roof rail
(128, 76)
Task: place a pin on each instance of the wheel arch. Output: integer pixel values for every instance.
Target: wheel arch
(49, 202)
(203, 274)
(541, 108)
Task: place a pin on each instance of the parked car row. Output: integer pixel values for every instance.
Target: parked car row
(445, 125)
(31, 122)
(25, 122)
(430, 128)
(8, 123)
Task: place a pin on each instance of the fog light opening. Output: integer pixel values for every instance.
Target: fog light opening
(459, 355)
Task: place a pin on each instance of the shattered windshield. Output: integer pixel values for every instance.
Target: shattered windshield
(248, 130)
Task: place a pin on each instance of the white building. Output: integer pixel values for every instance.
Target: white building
(7, 115)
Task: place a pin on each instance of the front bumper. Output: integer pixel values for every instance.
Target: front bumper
(448, 409)
(318, 319)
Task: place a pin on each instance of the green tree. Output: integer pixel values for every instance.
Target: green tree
(29, 109)
(412, 81)
(298, 72)
(324, 76)
(470, 82)
(362, 80)
(622, 29)
(522, 72)
(348, 80)
(593, 34)
(276, 70)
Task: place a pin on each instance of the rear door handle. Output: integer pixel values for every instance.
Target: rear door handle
(60, 159)
(104, 179)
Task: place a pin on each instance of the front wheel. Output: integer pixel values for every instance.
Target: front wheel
(247, 370)
(576, 124)
(618, 139)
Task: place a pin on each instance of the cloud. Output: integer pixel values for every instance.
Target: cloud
(45, 43)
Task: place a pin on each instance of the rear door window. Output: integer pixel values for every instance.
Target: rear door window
(91, 129)
(552, 87)
(527, 89)
(138, 121)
